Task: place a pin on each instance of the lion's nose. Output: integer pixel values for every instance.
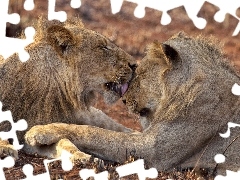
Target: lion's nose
(132, 66)
(144, 112)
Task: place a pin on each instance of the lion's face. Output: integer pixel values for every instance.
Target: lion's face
(108, 68)
(147, 89)
(144, 90)
(97, 62)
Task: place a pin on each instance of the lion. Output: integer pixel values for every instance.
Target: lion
(182, 92)
(68, 64)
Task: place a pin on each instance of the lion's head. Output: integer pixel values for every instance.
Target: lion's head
(67, 64)
(182, 76)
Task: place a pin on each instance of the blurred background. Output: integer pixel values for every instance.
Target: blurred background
(131, 34)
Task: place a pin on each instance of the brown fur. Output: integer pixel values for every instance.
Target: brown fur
(182, 89)
(67, 64)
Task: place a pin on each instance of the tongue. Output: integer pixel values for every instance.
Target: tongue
(124, 88)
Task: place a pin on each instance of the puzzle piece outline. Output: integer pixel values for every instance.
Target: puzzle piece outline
(20, 125)
(8, 49)
(192, 9)
(66, 166)
(220, 158)
(135, 167)
(19, 44)
(139, 9)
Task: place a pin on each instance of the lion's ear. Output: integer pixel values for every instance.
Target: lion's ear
(165, 53)
(170, 52)
(60, 38)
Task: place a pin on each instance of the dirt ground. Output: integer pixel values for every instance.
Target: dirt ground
(131, 34)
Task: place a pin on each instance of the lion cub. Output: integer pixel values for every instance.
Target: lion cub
(67, 64)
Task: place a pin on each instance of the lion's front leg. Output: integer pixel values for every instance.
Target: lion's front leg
(106, 144)
(50, 141)
(46, 134)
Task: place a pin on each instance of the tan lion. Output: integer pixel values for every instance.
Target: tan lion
(182, 90)
(67, 64)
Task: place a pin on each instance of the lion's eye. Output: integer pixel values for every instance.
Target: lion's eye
(106, 48)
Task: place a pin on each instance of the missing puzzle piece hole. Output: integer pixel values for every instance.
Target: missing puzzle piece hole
(139, 12)
(22, 125)
(219, 16)
(28, 170)
(29, 5)
(75, 4)
(236, 89)
(219, 158)
(116, 5)
(14, 18)
(166, 19)
(7, 162)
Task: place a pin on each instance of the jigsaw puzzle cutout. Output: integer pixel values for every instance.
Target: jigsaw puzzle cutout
(236, 89)
(136, 167)
(192, 9)
(87, 173)
(28, 5)
(230, 7)
(19, 44)
(20, 125)
(61, 15)
(230, 125)
(66, 166)
(230, 175)
(220, 158)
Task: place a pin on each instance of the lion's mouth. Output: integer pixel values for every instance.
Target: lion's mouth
(120, 89)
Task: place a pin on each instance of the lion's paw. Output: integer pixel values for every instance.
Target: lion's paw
(43, 135)
(77, 155)
(8, 150)
(80, 157)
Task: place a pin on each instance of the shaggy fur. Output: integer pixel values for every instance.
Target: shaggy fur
(182, 90)
(67, 64)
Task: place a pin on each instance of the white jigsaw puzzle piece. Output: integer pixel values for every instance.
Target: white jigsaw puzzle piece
(192, 9)
(137, 167)
(28, 5)
(20, 125)
(8, 49)
(230, 175)
(236, 89)
(87, 173)
(66, 166)
(61, 15)
(220, 158)
(75, 4)
(227, 133)
(52, 14)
